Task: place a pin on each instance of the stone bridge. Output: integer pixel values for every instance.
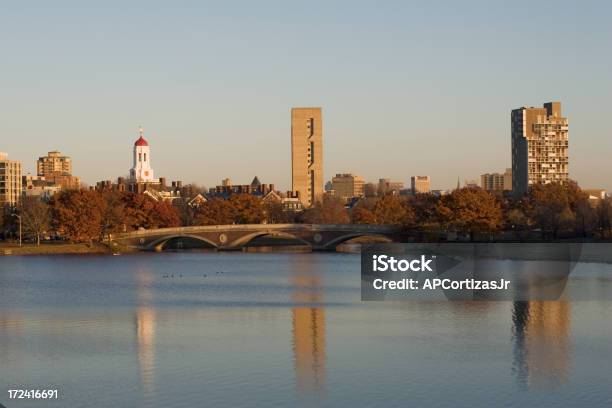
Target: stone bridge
(235, 237)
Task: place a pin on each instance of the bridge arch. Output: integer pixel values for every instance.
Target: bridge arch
(340, 240)
(244, 240)
(158, 244)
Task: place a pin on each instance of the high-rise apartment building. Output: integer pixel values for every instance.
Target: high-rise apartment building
(497, 181)
(56, 169)
(307, 154)
(10, 181)
(420, 184)
(539, 146)
(347, 186)
(54, 164)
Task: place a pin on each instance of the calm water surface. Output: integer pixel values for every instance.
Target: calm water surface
(239, 329)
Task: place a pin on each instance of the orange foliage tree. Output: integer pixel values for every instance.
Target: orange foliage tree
(330, 210)
(471, 210)
(393, 210)
(215, 211)
(247, 209)
(77, 214)
(362, 215)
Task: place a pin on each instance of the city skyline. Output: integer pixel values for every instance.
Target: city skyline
(141, 131)
(307, 157)
(406, 86)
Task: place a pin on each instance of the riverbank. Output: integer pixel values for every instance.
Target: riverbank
(52, 249)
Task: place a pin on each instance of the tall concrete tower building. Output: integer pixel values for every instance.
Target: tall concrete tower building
(539, 147)
(141, 171)
(307, 154)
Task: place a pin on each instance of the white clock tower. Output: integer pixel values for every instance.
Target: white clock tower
(141, 171)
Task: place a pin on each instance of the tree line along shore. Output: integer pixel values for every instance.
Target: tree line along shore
(77, 221)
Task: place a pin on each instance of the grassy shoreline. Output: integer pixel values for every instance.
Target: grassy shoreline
(11, 249)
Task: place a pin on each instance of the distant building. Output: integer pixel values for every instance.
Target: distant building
(292, 203)
(39, 186)
(370, 190)
(497, 181)
(595, 194)
(196, 201)
(386, 186)
(141, 171)
(289, 202)
(539, 147)
(440, 193)
(470, 184)
(420, 184)
(347, 186)
(307, 154)
(54, 163)
(171, 196)
(57, 170)
(65, 182)
(10, 181)
(227, 188)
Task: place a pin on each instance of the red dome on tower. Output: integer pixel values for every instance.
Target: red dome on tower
(141, 140)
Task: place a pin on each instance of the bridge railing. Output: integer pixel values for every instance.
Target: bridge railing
(259, 227)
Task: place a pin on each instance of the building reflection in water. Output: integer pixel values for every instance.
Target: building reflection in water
(12, 340)
(542, 349)
(145, 330)
(308, 321)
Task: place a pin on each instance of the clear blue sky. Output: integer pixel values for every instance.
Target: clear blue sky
(407, 88)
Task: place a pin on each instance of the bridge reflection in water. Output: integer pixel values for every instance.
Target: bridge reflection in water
(542, 350)
(308, 330)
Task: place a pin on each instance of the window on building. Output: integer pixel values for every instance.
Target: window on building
(311, 155)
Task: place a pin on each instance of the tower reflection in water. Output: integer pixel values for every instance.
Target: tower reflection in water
(308, 320)
(145, 330)
(542, 349)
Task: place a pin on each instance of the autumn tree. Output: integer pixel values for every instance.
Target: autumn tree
(216, 211)
(77, 214)
(275, 214)
(35, 217)
(187, 214)
(330, 210)
(517, 221)
(425, 211)
(604, 216)
(142, 211)
(164, 215)
(247, 209)
(550, 206)
(138, 211)
(391, 209)
(7, 220)
(114, 213)
(470, 210)
(585, 216)
(362, 215)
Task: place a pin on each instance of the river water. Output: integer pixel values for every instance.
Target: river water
(254, 329)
